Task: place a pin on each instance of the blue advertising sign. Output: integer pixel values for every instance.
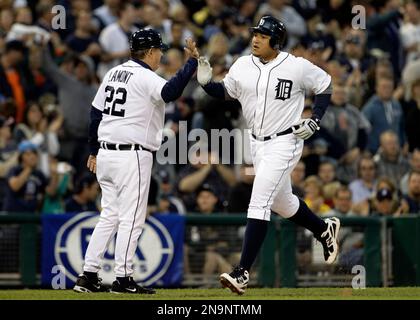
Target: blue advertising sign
(158, 260)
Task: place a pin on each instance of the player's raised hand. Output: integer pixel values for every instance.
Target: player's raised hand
(204, 71)
(91, 163)
(191, 48)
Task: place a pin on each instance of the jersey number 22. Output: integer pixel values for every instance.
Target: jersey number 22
(120, 98)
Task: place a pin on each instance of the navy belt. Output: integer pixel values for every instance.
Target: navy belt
(122, 147)
(281, 133)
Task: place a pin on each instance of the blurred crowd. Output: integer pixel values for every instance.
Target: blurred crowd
(364, 161)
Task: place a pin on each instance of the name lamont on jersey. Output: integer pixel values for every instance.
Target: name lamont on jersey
(132, 107)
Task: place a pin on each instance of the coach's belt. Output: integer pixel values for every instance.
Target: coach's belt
(281, 133)
(122, 147)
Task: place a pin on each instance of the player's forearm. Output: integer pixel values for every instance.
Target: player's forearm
(322, 102)
(216, 90)
(173, 89)
(95, 120)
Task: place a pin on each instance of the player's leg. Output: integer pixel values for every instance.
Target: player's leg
(271, 161)
(133, 189)
(104, 230)
(291, 207)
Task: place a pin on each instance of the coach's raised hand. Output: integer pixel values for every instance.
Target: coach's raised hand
(191, 48)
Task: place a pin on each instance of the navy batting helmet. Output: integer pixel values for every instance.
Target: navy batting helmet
(146, 39)
(273, 28)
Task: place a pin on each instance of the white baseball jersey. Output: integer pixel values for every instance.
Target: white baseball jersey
(132, 106)
(272, 95)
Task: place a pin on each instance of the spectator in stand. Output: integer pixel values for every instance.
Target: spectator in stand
(83, 40)
(26, 184)
(8, 154)
(298, 179)
(389, 160)
(240, 194)
(6, 19)
(76, 89)
(383, 113)
(363, 187)
(168, 202)
(314, 197)
(84, 196)
(11, 81)
(280, 9)
(218, 48)
(327, 175)
(350, 241)
(412, 197)
(367, 206)
(345, 122)
(383, 22)
(342, 203)
(384, 204)
(54, 203)
(204, 168)
(209, 18)
(216, 249)
(414, 166)
(412, 115)
(176, 36)
(114, 38)
(154, 18)
(107, 13)
(36, 129)
(410, 30)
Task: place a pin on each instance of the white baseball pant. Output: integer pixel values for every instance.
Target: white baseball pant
(274, 161)
(124, 177)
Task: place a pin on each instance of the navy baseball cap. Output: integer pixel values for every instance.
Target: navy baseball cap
(206, 187)
(27, 145)
(383, 194)
(145, 39)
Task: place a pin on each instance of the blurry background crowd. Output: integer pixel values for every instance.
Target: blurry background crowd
(364, 161)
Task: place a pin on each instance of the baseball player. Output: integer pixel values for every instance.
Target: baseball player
(270, 84)
(127, 119)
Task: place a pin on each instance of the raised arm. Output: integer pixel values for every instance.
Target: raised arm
(173, 89)
(204, 74)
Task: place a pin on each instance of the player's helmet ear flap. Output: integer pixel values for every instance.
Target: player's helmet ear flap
(274, 28)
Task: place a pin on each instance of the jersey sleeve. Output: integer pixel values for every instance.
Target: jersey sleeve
(99, 100)
(313, 77)
(154, 87)
(230, 82)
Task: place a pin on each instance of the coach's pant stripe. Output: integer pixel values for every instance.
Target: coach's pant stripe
(288, 164)
(135, 213)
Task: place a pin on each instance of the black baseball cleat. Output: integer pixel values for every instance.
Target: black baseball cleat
(86, 285)
(236, 281)
(130, 287)
(328, 240)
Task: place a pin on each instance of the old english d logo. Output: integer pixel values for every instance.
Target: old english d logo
(283, 89)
